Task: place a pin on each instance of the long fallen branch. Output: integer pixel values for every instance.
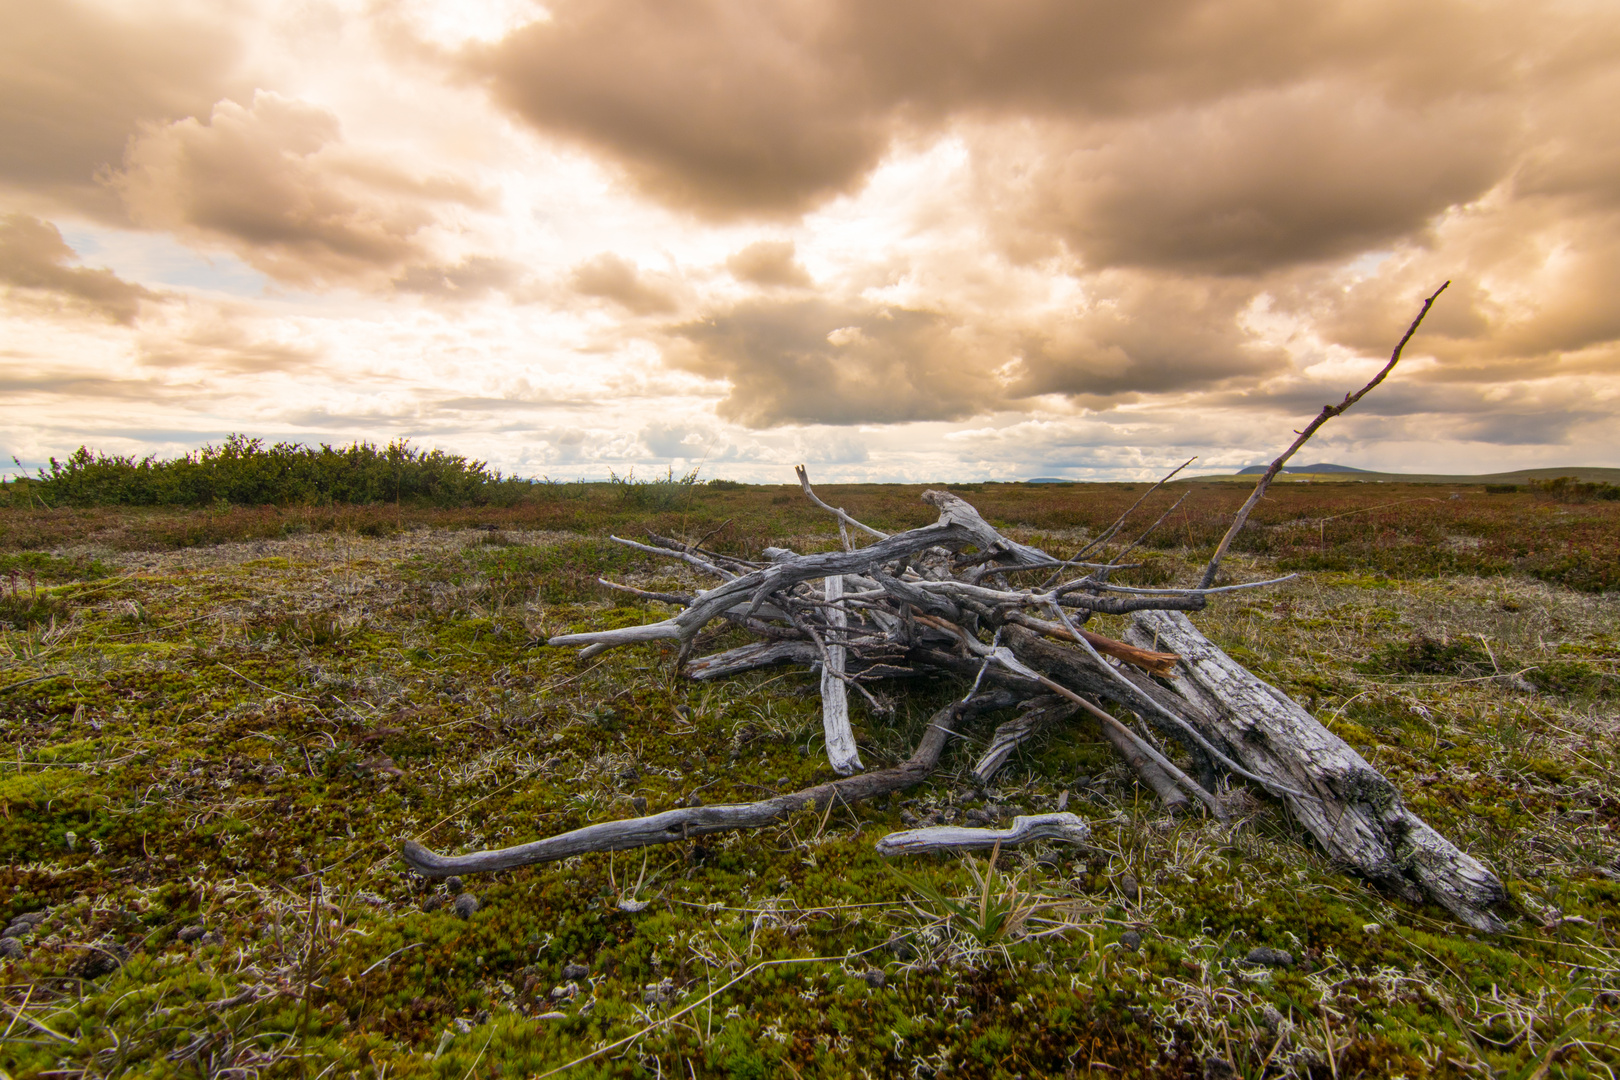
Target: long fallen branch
(688, 823)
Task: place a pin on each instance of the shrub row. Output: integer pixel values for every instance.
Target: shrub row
(244, 471)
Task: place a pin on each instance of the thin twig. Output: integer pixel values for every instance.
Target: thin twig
(1328, 412)
(1108, 533)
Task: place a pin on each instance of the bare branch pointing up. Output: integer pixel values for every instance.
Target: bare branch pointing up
(1328, 413)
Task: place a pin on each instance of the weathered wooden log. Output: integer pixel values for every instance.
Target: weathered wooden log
(695, 821)
(842, 753)
(1168, 791)
(1354, 812)
(1065, 827)
(756, 654)
(1038, 714)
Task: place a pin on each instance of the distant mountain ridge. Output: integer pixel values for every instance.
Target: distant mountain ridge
(1254, 470)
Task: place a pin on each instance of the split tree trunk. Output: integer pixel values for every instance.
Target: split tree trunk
(1354, 812)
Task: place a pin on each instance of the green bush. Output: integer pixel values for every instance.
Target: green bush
(667, 492)
(243, 471)
(1569, 489)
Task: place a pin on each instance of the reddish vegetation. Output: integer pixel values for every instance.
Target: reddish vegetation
(1404, 530)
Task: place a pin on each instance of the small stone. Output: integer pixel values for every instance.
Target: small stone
(907, 818)
(630, 773)
(11, 949)
(33, 918)
(71, 839)
(693, 800)
(874, 978)
(1218, 1069)
(640, 804)
(101, 960)
(18, 930)
(1130, 940)
(976, 816)
(575, 971)
(466, 904)
(209, 938)
(432, 902)
(1266, 956)
(191, 933)
(453, 883)
(1129, 888)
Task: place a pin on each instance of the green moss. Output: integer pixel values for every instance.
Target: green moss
(235, 766)
(34, 788)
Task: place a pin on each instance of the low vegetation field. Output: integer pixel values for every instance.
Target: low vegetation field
(222, 720)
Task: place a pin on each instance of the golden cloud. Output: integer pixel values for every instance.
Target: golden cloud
(769, 262)
(814, 361)
(613, 278)
(77, 81)
(275, 182)
(35, 267)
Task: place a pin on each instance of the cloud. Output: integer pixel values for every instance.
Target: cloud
(717, 108)
(84, 387)
(815, 361)
(769, 262)
(218, 342)
(768, 110)
(1249, 183)
(77, 80)
(473, 277)
(34, 264)
(613, 278)
(276, 182)
(673, 440)
(1141, 333)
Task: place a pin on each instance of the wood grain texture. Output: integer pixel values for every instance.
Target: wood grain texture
(1064, 827)
(1352, 809)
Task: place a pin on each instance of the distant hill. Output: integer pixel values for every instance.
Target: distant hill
(1338, 473)
(1049, 480)
(1255, 470)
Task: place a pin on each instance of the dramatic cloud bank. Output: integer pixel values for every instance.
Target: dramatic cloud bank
(914, 240)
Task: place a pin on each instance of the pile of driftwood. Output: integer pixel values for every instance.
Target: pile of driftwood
(957, 598)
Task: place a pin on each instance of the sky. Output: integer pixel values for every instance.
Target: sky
(904, 241)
